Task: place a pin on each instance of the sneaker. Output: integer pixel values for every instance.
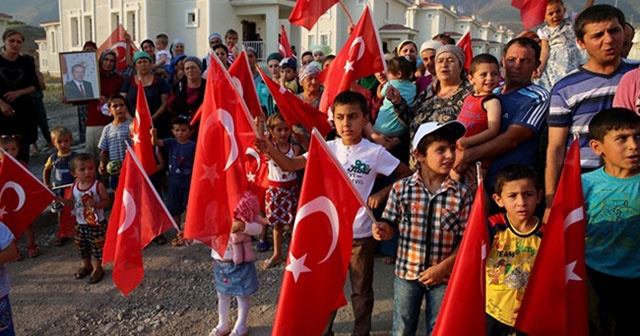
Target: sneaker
(263, 246)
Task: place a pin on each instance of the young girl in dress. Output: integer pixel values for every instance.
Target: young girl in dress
(559, 51)
(283, 190)
(237, 279)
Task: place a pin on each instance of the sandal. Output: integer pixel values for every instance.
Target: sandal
(96, 276)
(217, 332)
(263, 246)
(33, 251)
(271, 263)
(178, 240)
(82, 273)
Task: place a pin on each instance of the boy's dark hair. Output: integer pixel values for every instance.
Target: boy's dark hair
(525, 42)
(181, 120)
(515, 172)
(595, 14)
(611, 119)
(482, 59)
(231, 32)
(444, 37)
(403, 65)
(114, 97)
(163, 37)
(438, 135)
(553, 2)
(80, 157)
(218, 46)
(349, 97)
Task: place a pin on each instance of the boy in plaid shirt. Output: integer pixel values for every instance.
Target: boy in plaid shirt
(430, 210)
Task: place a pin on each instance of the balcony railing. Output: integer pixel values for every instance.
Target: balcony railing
(258, 46)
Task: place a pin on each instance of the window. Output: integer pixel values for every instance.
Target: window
(324, 39)
(429, 16)
(52, 38)
(192, 18)
(115, 21)
(386, 10)
(132, 25)
(75, 31)
(88, 28)
(311, 40)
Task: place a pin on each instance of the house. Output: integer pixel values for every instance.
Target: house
(258, 23)
(4, 21)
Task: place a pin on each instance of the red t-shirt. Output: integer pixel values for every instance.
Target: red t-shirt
(109, 85)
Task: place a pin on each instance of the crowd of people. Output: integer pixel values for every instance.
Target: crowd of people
(409, 139)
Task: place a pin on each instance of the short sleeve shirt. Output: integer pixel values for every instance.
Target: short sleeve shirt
(114, 140)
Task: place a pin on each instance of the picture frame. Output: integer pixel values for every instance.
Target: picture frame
(80, 76)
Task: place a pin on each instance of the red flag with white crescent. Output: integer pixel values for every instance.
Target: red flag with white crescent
(141, 138)
(116, 42)
(138, 215)
(242, 77)
(360, 56)
(22, 195)
(320, 245)
(284, 47)
(226, 131)
(257, 174)
(555, 302)
(306, 13)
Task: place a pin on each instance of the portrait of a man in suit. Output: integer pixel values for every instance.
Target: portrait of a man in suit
(78, 88)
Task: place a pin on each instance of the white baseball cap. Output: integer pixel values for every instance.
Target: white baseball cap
(455, 127)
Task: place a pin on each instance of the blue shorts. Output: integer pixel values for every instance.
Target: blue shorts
(6, 320)
(236, 280)
(177, 197)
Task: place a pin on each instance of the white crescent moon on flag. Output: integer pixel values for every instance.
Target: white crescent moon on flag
(324, 205)
(120, 45)
(252, 152)
(19, 191)
(359, 40)
(129, 211)
(227, 122)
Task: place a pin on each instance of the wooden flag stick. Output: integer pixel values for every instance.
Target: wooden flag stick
(346, 12)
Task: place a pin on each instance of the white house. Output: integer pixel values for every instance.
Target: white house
(4, 20)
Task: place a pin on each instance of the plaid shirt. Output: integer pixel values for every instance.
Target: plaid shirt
(430, 226)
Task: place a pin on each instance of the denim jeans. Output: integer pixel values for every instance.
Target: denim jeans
(407, 299)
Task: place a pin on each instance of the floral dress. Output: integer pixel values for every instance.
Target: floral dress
(564, 54)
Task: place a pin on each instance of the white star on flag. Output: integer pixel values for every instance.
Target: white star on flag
(210, 173)
(3, 212)
(251, 177)
(296, 266)
(569, 273)
(348, 66)
(136, 138)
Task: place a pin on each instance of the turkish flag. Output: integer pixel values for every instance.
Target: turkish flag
(116, 42)
(138, 215)
(257, 174)
(225, 133)
(22, 195)
(531, 11)
(243, 79)
(284, 47)
(141, 138)
(464, 299)
(360, 56)
(316, 271)
(466, 46)
(306, 13)
(294, 110)
(555, 302)
(66, 227)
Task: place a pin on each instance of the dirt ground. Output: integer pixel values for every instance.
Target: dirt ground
(177, 295)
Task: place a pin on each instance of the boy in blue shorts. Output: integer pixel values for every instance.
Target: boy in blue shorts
(363, 160)
(429, 210)
(612, 201)
(181, 151)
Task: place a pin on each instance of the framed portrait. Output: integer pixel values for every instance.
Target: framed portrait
(80, 79)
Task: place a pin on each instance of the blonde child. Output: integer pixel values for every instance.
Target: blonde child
(481, 111)
(515, 238)
(57, 173)
(11, 144)
(283, 190)
(231, 40)
(239, 280)
(559, 51)
(89, 198)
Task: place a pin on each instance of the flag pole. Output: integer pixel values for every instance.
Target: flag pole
(346, 12)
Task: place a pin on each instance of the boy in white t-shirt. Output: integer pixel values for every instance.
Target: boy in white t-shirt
(363, 161)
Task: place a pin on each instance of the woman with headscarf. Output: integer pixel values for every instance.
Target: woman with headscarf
(177, 48)
(17, 116)
(155, 90)
(98, 111)
(443, 98)
(177, 69)
(311, 86)
(187, 95)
